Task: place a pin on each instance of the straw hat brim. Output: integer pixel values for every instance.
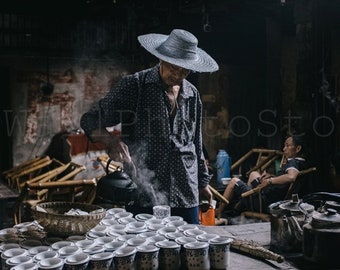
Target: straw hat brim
(202, 63)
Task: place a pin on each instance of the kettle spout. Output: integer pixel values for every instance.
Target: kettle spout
(296, 228)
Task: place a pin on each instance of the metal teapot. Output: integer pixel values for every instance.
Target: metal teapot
(287, 219)
(321, 235)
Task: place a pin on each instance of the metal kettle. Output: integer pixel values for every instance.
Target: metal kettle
(321, 235)
(287, 219)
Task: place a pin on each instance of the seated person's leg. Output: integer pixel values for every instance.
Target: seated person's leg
(252, 176)
(232, 193)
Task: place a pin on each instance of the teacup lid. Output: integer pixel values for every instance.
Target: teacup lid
(62, 243)
(46, 254)
(173, 235)
(147, 248)
(206, 237)
(50, 263)
(68, 250)
(35, 250)
(102, 256)
(220, 240)
(13, 252)
(77, 258)
(94, 249)
(185, 239)
(18, 260)
(5, 246)
(125, 251)
(196, 245)
(167, 244)
(25, 266)
(114, 245)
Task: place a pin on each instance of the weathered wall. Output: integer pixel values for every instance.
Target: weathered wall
(36, 117)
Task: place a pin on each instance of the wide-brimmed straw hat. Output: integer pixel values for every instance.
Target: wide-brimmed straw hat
(180, 49)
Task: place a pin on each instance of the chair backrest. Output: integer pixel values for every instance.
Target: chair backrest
(265, 158)
(300, 183)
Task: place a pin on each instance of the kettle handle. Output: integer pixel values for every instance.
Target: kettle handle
(108, 166)
(324, 196)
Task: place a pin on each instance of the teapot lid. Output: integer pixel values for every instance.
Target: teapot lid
(295, 205)
(333, 204)
(328, 218)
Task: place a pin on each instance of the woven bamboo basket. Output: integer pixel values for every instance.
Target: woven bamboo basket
(51, 216)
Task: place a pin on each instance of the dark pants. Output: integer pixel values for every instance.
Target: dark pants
(190, 215)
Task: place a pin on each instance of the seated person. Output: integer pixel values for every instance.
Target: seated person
(276, 185)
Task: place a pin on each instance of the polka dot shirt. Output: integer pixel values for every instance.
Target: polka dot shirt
(169, 157)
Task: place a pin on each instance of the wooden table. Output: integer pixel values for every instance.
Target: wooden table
(7, 195)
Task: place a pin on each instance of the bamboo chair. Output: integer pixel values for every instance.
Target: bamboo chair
(295, 187)
(44, 168)
(28, 169)
(30, 196)
(83, 191)
(265, 158)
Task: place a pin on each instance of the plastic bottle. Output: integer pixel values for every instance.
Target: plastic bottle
(222, 165)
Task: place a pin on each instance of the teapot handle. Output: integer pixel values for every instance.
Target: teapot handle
(322, 196)
(107, 169)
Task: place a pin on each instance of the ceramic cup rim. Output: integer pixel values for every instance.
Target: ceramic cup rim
(58, 262)
(82, 261)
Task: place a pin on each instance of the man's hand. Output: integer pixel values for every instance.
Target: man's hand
(206, 194)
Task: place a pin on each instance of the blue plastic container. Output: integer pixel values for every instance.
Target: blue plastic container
(222, 165)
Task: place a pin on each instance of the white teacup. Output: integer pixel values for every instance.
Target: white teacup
(169, 255)
(182, 241)
(136, 241)
(112, 246)
(115, 210)
(51, 264)
(197, 255)
(16, 260)
(124, 258)
(46, 255)
(219, 251)
(104, 240)
(123, 215)
(101, 261)
(12, 252)
(77, 261)
(172, 218)
(155, 238)
(35, 250)
(85, 243)
(69, 250)
(5, 246)
(206, 237)
(147, 257)
(59, 244)
(25, 266)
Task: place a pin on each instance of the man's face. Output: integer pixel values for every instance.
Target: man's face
(290, 149)
(172, 74)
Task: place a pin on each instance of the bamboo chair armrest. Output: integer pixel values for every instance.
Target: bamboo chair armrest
(67, 183)
(250, 192)
(218, 195)
(257, 189)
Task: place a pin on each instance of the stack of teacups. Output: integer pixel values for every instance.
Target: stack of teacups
(169, 255)
(9, 253)
(219, 252)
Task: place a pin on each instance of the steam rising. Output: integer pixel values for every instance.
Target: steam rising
(145, 178)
